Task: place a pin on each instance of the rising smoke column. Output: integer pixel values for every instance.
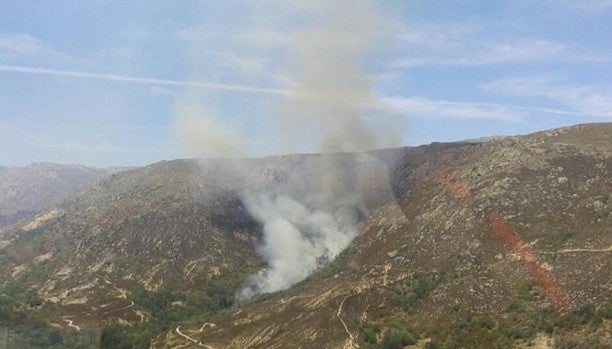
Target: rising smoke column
(331, 94)
(328, 108)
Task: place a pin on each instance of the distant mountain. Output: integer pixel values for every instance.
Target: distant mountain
(488, 244)
(30, 189)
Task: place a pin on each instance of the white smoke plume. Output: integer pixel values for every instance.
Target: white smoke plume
(332, 90)
(297, 240)
(203, 131)
(328, 104)
(326, 109)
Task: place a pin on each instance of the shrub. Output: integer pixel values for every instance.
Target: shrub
(395, 338)
(369, 333)
(204, 300)
(606, 311)
(420, 287)
(396, 335)
(432, 345)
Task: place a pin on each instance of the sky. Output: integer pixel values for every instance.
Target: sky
(98, 82)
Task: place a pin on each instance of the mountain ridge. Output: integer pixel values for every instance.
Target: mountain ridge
(27, 190)
(427, 255)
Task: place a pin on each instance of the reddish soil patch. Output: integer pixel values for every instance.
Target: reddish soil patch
(455, 184)
(513, 242)
(510, 238)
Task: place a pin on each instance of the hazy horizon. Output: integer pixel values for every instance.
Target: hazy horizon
(272, 155)
(97, 84)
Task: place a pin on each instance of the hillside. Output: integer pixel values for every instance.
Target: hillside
(436, 263)
(30, 189)
(169, 226)
(481, 244)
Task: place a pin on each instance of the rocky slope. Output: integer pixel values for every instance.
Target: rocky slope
(169, 226)
(482, 244)
(441, 261)
(30, 189)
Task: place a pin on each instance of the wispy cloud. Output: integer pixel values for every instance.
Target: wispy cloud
(521, 50)
(19, 46)
(582, 99)
(422, 107)
(241, 64)
(415, 106)
(142, 80)
(435, 36)
(245, 52)
(459, 44)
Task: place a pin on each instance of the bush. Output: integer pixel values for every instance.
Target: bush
(566, 344)
(204, 300)
(606, 311)
(432, 345)
(28, 335)
(396, 335)
(369, 334)
(561, 237)
(395, 338)
(420, 287)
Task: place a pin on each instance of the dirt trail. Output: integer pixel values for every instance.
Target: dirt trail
(574, 250)
(70, 324)
(142, 315)
(206, 324)
(119, 309)
(383, 280)
(192, 340)
(121, 291)
(350, 342)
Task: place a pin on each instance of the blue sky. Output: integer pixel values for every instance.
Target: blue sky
(96, 82)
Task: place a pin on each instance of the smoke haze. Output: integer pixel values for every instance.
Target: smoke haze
(204, 134)
(326, 109)
(332, 91)
(329, 98)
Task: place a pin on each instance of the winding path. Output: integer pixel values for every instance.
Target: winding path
(121, 291)
(574, 250)
(206, 324)
(70, 324)
(141, 314)
(350, 342)
(119, 309)
(192, 340)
